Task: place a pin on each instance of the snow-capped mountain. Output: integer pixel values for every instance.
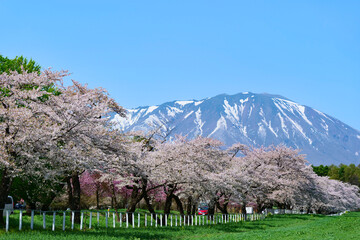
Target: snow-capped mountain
(253, 119)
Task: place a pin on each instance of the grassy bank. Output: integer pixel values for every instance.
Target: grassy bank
(275, 227)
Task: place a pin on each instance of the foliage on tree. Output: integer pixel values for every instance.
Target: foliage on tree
(321, 170)
(18, 64)
(345, 173)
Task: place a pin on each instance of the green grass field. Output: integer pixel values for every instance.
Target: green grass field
(274, 227)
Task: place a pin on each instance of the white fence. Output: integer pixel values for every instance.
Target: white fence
(65, 220)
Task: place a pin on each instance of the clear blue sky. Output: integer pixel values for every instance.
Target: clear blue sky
(150, 52)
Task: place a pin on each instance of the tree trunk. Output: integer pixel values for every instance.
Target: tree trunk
(168, 201)
(194, 209)
(243, 207)
(114, 201)
(179, 204)
(5, 185)
(169, 190)
(223, 208)
(189, 205)
(70, 192)
(76, 195)
(97, 198)
(135, 197)
(212, 204)
(150, 207)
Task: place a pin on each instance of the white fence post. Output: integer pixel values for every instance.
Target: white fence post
(7, 220)
(175, 220)
(161, 220)
(81, 220)
(44, 220)
(53, 223)
(72, 219)
(114, 220)
(166, 218)
(106, 219)
(180, 220)
(145, 220)
(138, 220)
(64, 219)
(98, 218)
(151, 219)
(32, 220)
(120, 219)
(133, 220)
(20, 220)
(171, 220)
(156, 218)
(90, 220)
(127, 220)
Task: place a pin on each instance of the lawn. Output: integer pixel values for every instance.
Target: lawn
(281, 227)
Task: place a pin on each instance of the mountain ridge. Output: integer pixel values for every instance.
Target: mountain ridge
(253, 119)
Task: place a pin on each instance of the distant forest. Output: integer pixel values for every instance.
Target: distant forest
(344, 173)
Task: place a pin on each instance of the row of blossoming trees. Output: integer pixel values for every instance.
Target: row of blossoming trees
(50, 132)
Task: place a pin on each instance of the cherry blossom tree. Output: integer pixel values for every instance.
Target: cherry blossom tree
(24, 126)
(92, 184)
(52, 133)
(83, 134)
(187, 168)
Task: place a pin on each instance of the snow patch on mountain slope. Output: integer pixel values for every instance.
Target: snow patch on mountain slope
(242, 105)
(295, 124)
(270, 127)
(220, 125)
(231, 112)
(150, 109)
(283, 126)
(244, 100)
(243, 130)
(172, 111)
(325, 126)
(131, 118)
(291, 106)
(322, 114)
(267, 124)
(183, 103)
(153, 120)
(187, 115)
(198, 102)
(261, 130)
(251, 108)
(199, 122)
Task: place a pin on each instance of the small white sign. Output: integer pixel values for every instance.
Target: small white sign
(249, 210)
